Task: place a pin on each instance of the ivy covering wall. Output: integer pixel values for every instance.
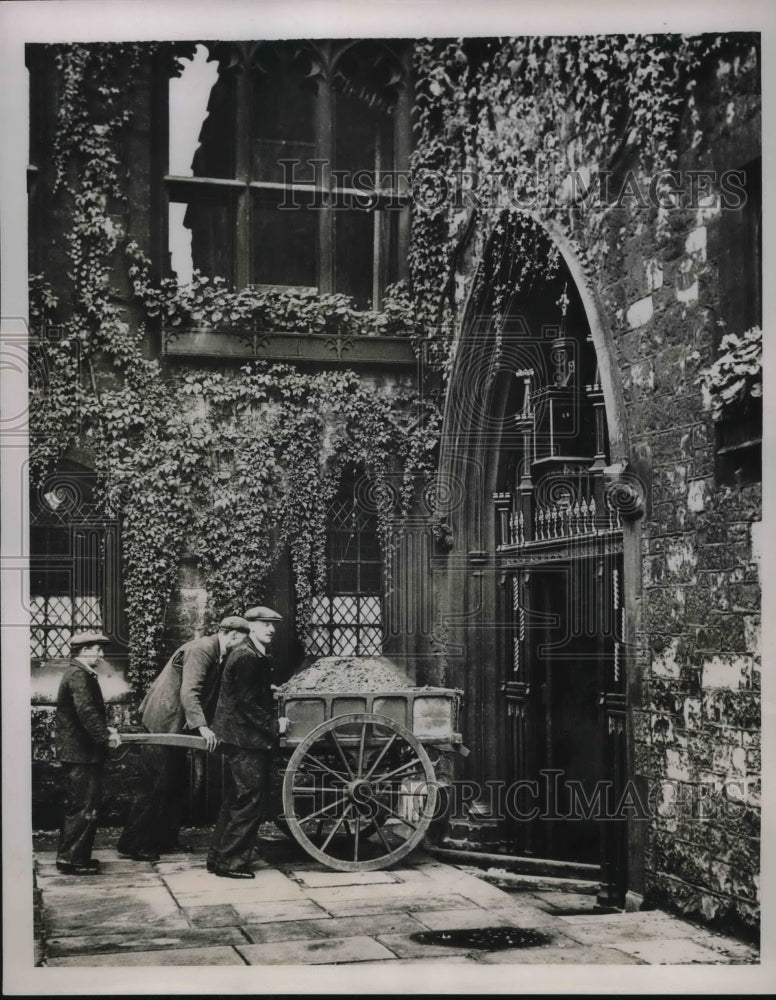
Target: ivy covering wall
(579, 132)
(229, 468)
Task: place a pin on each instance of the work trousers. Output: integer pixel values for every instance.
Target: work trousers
(157, 809)
(243, 808)
(82, 787)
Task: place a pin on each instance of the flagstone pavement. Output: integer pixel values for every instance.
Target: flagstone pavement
(297, 912)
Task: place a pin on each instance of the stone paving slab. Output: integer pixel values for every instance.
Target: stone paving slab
(324, 951)
(203, 888)
(289, 930)
(403, 946)
(414, 875)
(329, 879)
(613, 929)
(445, 920)
(358, 893)
(522, 915)
(82, 911)
(370, 924)
(279, 910)
(468, 886)
(674, 951)
(217, 915)
(728, 947)
(410, 902)
(553, 955)
(185, 956)
(140, 939)
(116, 880)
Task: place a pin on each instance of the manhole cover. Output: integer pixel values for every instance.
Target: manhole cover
(485, 938)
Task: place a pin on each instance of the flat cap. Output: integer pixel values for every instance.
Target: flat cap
(79, 639)
(234, 623)
(263, 615)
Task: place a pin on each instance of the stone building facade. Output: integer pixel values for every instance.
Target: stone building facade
(587, 572)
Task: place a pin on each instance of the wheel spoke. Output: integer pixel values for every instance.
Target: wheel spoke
(336, 827)
(395, 814)
(398, 770)
(325, 767)
(356, 836)
(320, 812)
(341, 752)
(380, 756)
(361, 749)
(386, 845)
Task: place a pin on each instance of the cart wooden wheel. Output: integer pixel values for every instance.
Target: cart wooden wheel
(359, 792)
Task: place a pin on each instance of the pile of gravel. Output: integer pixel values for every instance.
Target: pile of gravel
(339, 674)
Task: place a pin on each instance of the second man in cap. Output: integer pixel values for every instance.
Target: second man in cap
(181, 699)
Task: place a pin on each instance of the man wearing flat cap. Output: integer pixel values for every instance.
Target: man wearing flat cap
(83, 739)
(247, 726)
(182, 699)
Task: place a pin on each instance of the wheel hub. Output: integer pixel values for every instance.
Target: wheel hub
(360, 791)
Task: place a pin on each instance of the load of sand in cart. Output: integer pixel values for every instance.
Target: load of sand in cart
(351, 674)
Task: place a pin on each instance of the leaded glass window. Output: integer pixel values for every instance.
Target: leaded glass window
(348, 619)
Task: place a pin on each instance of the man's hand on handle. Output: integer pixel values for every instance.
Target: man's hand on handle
(114, 740)
(284, 724)
(209, 736)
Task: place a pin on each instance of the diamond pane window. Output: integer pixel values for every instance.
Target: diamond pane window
(53, 620)
(347, 621)
(371, 640)
(345, 641)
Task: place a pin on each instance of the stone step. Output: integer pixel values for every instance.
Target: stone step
(456, 853)
(512, 882)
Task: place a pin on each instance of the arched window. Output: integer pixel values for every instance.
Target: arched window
(74, 565)
(348, 618)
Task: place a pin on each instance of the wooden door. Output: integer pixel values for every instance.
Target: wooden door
(565, 714)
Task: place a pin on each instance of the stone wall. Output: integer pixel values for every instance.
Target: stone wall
(697, 729)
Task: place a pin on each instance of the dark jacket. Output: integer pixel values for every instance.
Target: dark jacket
(81, 724)
(246, 715)
(184, 694)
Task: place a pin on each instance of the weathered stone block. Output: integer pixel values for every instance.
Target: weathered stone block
(629, 347)
(718, 557)
(681, 559)
(677, 765)
(653, 274)
(691, 712)
(745, 597)
(640, 312)
(729, 759)
(667, 664)
(698, 494)
(698, 600)
(740, 709)
(727, 671)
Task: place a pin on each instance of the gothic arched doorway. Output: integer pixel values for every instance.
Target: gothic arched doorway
(537, 603)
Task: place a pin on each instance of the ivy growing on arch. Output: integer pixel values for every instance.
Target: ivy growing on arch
(538, 126)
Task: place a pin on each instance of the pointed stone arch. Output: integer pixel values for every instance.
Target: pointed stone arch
(470, 580)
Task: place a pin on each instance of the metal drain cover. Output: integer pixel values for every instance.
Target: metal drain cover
(484, 938)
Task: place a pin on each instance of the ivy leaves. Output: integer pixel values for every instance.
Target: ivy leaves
(736, 374)
(213, 303)
(537, 125)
